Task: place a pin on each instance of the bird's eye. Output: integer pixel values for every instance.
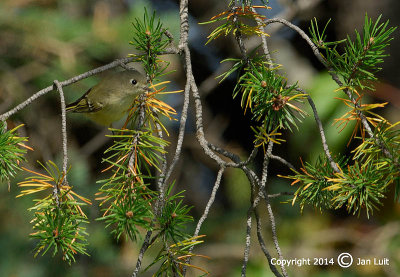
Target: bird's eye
(133, 82)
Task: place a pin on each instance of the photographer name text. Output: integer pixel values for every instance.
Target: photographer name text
(344, 260)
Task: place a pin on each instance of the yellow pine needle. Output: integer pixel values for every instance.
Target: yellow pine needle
(393, 125)
(341, 88)
(173, 91)
(160, 91)
(15, 128)
(219, 15)
(193, 255)
(159, 84)
(111, 166)
(40, 186)
(108, 209)
(37, 173)
(30, 191)
(374, 121)
(78, 208)
(296, 96)
(31, 183)
(343, 121)
(38, 232)
(303, 168)
(194, 266)
(307, 186)
(133, 171)
(294, 200)
(162, 104)
(333, 187)
(373, 106)
(27, 192)
(100, 198)
(296, 108)
(105, 200)
(39, 250)
(144, 157)
(349, 88)
(25, 146)
(262, 7)
(156, 91)
(247, 12)
(276, 141)
(345, 101)
(248, 102)
(81, 197)
(295, 182)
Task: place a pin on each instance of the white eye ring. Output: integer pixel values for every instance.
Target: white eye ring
(133, 82)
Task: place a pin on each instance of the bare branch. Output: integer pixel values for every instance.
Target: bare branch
(206, 211)
(247, 244)
(64, 84)
(181, 134)
(253, 209)
(184, 18)
(282, 160)
(63, 127)
(56, 189)
(263, 40)
(263, 246)
(146, 243)
(264, 193)
(209, 203)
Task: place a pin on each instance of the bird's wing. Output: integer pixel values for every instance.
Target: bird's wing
(84, 105)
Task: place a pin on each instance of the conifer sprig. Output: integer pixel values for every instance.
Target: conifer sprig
(363, 184)
(12, 151)
(59, 220)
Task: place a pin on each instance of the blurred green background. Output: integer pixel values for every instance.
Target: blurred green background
(44, 40)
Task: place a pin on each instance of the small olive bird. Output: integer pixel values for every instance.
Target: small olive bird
(111, 98)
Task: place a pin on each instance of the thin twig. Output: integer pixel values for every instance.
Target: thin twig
(322, 134)
(135, 141)
(63, 127)
(264, 193)
(253, 209)
(282, 160)
(209, 203)
(235, 158)
(247, 244)
(184, 19)
(251, 157)
(148, 241)
(181, 134)
(263, 40)
(263, 246)
(63, 84)
(161, 186)
(161, 178)
(206, 211)
(56, 189)
(238, 36)
(199, 114)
